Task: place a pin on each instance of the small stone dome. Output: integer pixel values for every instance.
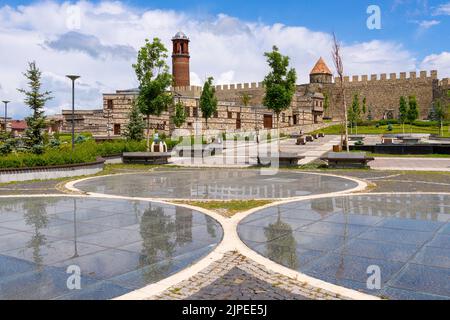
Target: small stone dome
(180, 36)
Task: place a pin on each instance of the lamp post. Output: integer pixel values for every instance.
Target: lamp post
(6, 111)
(73, 78)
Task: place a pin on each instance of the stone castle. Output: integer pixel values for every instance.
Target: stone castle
(382, 95)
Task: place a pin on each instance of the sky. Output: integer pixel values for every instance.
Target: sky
(99, 40)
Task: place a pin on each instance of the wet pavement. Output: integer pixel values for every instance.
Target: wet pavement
(341, 240)
(117, 246)
(218, 184)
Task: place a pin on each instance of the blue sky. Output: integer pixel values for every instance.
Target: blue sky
(228, 40)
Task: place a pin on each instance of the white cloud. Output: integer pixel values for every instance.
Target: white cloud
(427, 24)
(440, 62)
(443, 9)
(101, 50)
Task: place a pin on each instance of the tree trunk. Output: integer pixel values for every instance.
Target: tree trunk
(148, 133)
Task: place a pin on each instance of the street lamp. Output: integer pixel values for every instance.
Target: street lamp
(73, 78)
(6, 111)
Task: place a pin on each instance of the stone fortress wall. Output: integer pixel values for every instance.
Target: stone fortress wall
(383, 93)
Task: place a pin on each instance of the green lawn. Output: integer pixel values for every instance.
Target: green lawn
(396, 128)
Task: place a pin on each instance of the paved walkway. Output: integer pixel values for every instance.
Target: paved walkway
(236, 277)
(411, 164)
(243, 154)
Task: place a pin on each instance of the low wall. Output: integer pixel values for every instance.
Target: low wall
(405, 149)
(51, 172)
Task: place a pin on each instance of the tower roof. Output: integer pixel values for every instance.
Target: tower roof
(321, 68)
(180, 36)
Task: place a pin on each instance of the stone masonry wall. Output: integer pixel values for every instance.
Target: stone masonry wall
(383, 93)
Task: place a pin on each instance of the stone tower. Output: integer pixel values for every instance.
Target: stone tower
(180, 60)
(320, 73)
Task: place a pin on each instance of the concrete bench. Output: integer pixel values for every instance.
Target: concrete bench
(315, 136)
(309, 139)
(347, 160)
(283, 159)
(204, 150)
(388, 140)
(321, 135)
(410, 140)
(356, 138)
(146, 157)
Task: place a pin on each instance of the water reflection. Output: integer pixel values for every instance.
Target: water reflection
(216, 184)
(283, 248)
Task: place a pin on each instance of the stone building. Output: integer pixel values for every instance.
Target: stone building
(382, 95)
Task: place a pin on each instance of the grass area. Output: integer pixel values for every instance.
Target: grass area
(396, 129)
(227, 208)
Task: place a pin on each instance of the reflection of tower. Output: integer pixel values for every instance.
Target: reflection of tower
(183, 225)
(180, 60)
(323, 206)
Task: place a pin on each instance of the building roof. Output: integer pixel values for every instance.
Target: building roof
(180, 35)
(321, 68)
(18, 125)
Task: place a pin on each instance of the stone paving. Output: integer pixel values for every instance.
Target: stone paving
(235, 277)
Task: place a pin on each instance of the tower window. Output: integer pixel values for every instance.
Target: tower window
(109, 104)
(230, 115)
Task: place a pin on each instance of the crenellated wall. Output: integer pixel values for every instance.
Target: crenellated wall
(383, 92)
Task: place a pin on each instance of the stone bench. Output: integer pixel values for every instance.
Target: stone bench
(315, 136)
(204, 150)
(284, 159)
(146, 157)
(301, 141)
(347, 160)
(321, 135)
(309, 139)
(356, 138)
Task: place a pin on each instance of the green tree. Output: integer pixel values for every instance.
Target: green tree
(245, 99)
(326, 102)
(279, 83)
(135, 127)
(179, 117)
(154, 79)
(208, 100)
(413, 110)
(35, 99)
(364, 105)
(439, 114)
(354, 113)
(403, 112)
(369, 114)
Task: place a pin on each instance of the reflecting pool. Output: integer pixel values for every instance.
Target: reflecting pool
(394, 246)
(116, 246)
(221, 184)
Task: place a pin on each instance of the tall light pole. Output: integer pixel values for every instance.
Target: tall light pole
(6, 111)
(73, 78)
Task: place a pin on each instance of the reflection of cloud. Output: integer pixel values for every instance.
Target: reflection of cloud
(91, 45)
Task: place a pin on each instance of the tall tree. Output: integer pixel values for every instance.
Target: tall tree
(245, 99)
(354, 113)
(179, 118)
(439, 114)
(35, 100)
(279, 83)
(154, 79)
(326, 102)
(403, 112)
(364, 106)
(339, 65)
(413, 110)
(135, 127)
(208, 100)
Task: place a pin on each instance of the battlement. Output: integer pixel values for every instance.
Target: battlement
(444, 82)
(224, 87)
(423, 75)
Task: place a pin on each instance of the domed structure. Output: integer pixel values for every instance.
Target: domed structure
(180, 60)
(320, 73)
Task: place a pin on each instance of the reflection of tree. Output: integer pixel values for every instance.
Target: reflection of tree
(156, 230)
(35, 214)
(282, 249)
(183, 225)
(210, 226)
